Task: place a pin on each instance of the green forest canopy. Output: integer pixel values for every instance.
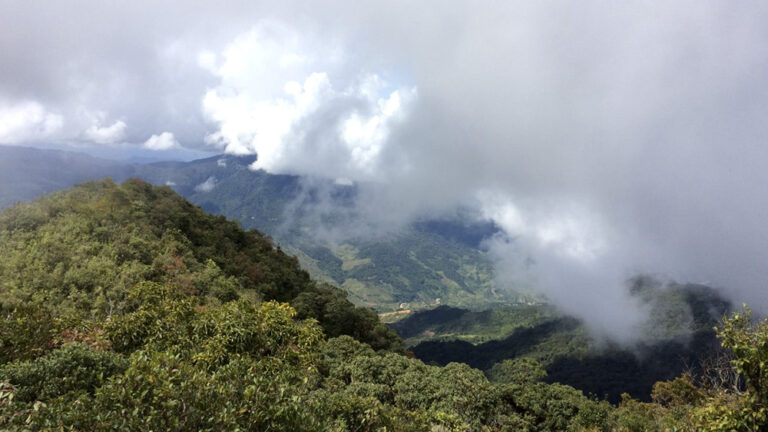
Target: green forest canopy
(127, 308)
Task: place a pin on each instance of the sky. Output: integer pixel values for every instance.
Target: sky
(607, 139)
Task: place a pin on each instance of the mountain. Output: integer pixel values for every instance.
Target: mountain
(129, 308)
(26, 173)
(84, 249)
(126, 307)
(428, 263)
(678, 335)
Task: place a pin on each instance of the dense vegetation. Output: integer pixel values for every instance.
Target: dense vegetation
(678, 334)
(428, 261)
(127, 308)
(84, 249)
(431, 260)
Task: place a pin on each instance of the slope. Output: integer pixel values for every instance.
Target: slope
(676, 338)
(128, 308)
(82, 250)
(431, 262)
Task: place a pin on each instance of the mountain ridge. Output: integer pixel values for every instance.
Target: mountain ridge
(441, 262)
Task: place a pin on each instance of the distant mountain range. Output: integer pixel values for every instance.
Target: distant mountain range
(428, 263)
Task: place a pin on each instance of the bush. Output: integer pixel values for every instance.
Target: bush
(72, 368)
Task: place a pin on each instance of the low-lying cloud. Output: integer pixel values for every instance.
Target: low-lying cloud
(164, 141)
(208, 185)
(111, 134)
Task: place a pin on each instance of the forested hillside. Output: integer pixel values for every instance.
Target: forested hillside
(84, 249)
(421, 265)
(429, 262)
(677, 336)
(128, 308)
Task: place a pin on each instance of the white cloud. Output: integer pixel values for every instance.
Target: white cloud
(207, 185)
(111, 134)
(164, 141)
(207, 60)
(282, 99)
(564, 250)
(343, 181)
(27, 121)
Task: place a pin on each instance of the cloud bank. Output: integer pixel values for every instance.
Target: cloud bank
(605, 139)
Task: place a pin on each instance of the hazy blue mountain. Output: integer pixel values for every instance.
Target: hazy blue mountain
(26, 173)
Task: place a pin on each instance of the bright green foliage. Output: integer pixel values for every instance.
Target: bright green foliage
(431, 259)
(73, 367)
(238, 366)
(747, 410)
(455, 396)
(133, 310)
(398, 388)
(243, 367)
(522, 370)
(749, 343)
(238, 329)
(679, 392)
(673, 407)
(556, 407)
(85, 249)
(162, 319)
(635, 416)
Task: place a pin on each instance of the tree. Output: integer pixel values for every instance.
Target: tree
(735, 410)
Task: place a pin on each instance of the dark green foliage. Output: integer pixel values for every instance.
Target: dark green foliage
(430, 320)
(25, 332)
(615, 371)
(678, 335)
(338, 316)
(523, 341)
(237, 366)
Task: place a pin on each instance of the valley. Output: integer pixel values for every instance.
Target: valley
(430, 282)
